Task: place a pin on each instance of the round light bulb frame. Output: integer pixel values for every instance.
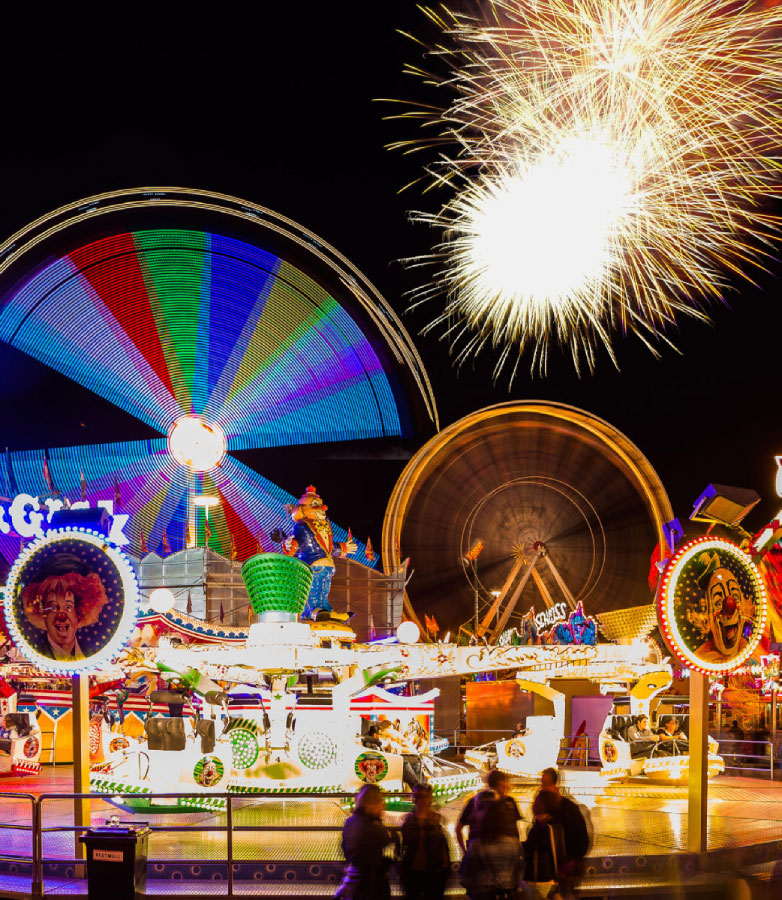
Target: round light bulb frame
(196, 444)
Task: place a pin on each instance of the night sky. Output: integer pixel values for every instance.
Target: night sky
(280, 111)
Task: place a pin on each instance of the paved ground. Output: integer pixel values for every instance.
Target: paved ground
(637, 819)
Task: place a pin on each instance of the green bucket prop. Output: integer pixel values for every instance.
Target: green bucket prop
(277, 584)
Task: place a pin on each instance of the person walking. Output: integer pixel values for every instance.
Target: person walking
(493, 861)
(544, 850)
(575, 833)
(425, 861)
(364, 840)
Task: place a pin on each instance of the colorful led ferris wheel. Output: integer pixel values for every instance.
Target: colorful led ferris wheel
(223, 327)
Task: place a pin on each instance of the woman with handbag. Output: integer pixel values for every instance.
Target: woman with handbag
(492, 864)
(544, 850)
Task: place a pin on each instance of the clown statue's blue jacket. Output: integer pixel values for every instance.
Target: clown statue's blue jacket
(313, 543)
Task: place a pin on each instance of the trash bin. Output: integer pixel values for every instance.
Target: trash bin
(116, 861)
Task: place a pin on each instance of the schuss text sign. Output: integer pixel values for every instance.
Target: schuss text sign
(547, 618)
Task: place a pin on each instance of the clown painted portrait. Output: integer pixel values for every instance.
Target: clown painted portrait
(68, 601)
(717, 606)
(59, 606)
(726, 609)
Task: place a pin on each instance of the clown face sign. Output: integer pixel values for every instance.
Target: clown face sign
(71, 601)
(371, 767)
(712, 605)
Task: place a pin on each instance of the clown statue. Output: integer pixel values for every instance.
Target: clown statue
(313, 543)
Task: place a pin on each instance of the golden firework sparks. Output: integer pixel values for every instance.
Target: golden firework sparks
(608, 166)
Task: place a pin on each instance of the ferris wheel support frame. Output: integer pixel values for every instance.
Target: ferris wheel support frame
(494, 608)
(511, 605)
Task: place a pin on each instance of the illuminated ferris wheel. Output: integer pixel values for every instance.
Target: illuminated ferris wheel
(554, 504)
(222, 326)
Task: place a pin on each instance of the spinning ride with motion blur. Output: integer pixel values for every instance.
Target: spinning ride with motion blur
(220, 328)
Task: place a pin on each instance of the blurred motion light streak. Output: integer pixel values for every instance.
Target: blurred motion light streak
(190, 327)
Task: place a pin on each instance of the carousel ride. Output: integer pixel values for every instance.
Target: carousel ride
(308, 679)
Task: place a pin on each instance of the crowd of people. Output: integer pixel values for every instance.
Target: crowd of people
(496, 863)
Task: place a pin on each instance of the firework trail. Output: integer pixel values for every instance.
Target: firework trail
(608, 166)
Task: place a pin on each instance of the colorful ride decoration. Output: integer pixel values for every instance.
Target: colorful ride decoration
(574, 629)
(278, 585)
(712, 605)
(370, 767)
(270, 338)
(578, 629)
(71, 601)
(313, 543)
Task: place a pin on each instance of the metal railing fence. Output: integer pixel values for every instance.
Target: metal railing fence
(748, 757)
(38, 860)
(755, 759)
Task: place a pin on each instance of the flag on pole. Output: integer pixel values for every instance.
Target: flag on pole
(372, 633)
(189, 607)
(260, 545)
(234, 554)
(83, 484)
(117, 496)
(369, 552)
(207, 531)
(143, 543)
(222, 612)
(47, 476)
(166, 548)
(13, 489)
(188, 535)
(428, 623)
(474, 552)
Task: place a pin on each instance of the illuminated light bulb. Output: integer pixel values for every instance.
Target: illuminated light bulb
(197, 444)
(206, 500)
(161, 600)
(408, 633)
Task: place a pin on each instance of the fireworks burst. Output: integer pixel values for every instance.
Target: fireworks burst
(607, 163)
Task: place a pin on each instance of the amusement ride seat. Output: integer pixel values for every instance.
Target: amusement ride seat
(166, 734)
(619, 726)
